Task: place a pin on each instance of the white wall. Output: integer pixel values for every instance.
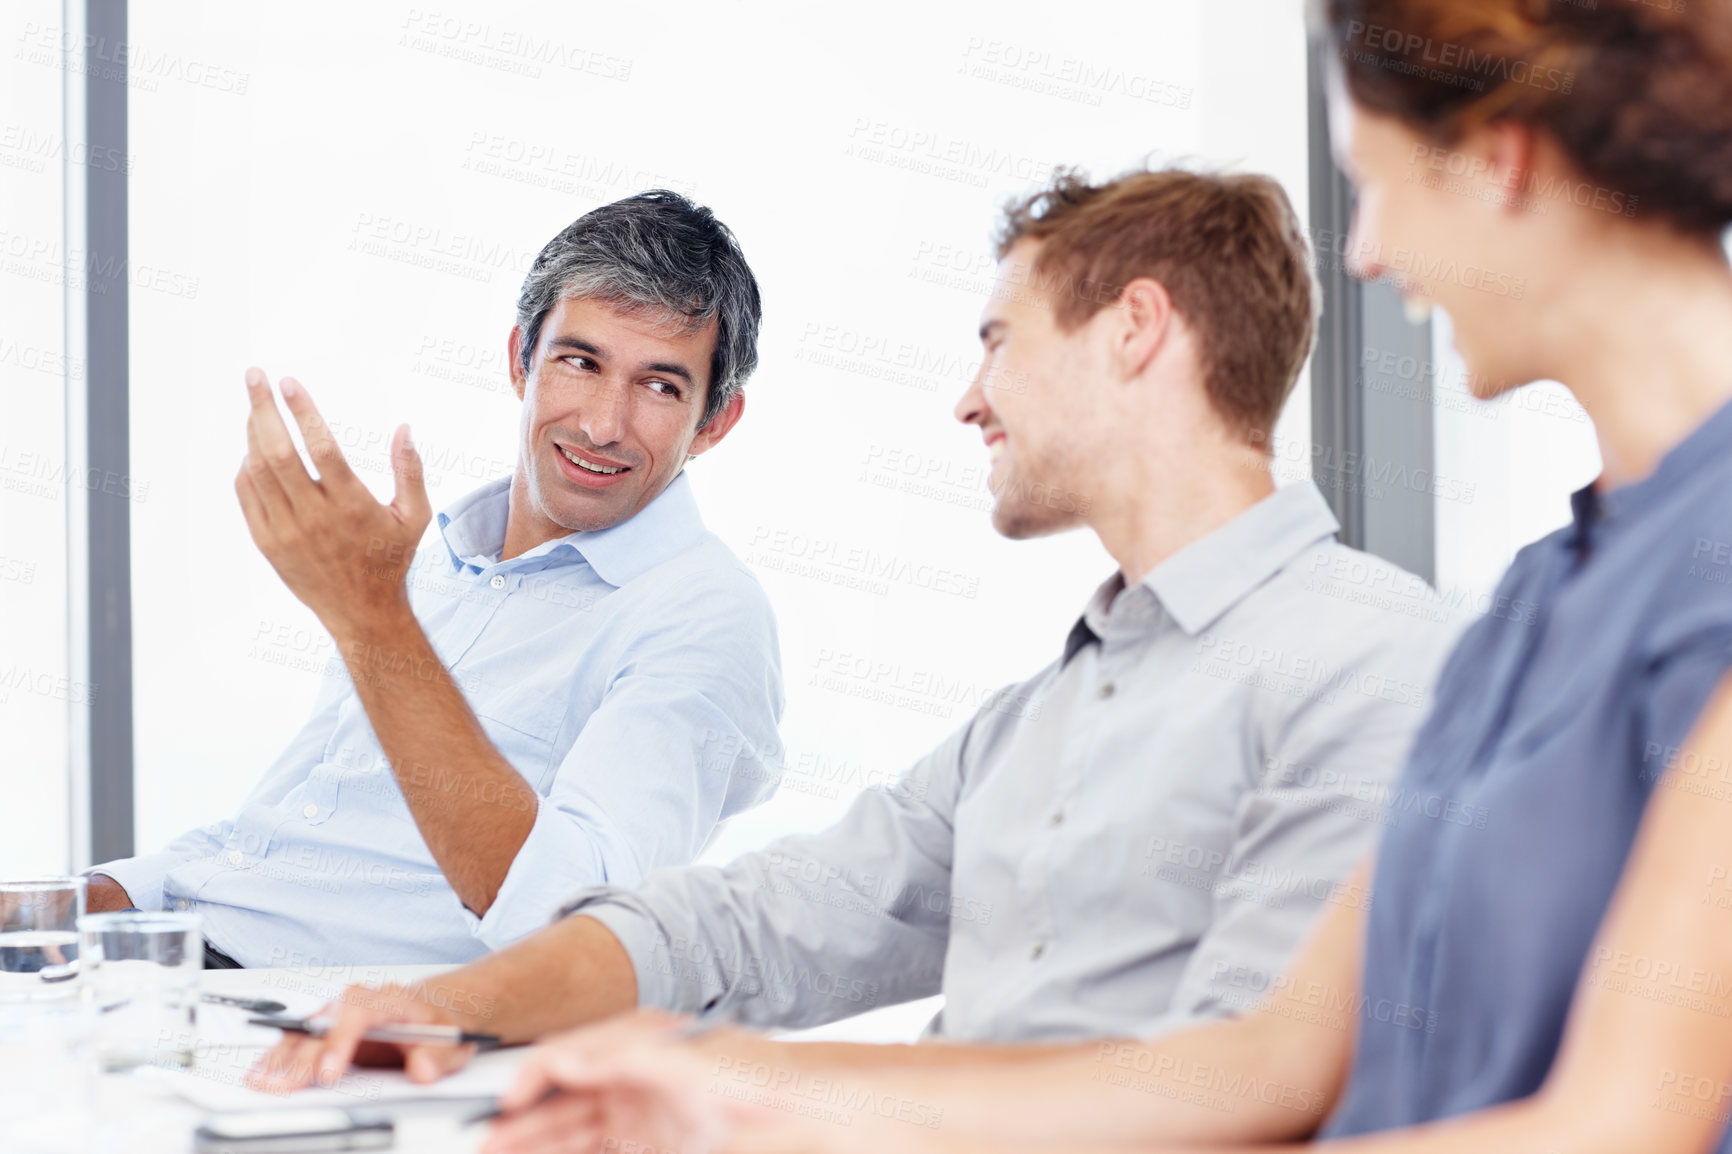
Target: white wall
(860, 157)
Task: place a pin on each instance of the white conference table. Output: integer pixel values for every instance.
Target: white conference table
(70, 1110)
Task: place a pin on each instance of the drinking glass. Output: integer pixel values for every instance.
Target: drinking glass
(39, 937)
(141, 973)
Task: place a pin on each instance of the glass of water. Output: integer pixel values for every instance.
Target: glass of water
(39, 937)
(141, 973)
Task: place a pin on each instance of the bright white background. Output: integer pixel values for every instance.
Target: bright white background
(352, 197)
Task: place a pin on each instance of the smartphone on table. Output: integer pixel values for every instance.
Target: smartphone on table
(294, 1132)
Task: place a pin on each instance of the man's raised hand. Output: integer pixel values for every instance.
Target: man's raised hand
(336, 547)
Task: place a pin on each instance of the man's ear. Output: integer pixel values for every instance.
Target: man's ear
(711, 434)
(1145, 317)
(514, 359)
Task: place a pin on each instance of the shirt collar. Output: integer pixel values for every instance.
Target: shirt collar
(473, 529)
(1212, 574)
(1209, 576)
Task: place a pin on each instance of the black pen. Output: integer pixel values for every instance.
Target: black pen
(404, 1034)
(256, 1005)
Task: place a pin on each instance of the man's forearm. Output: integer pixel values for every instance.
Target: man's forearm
(473, 809)
(103, 894)
(569, 974)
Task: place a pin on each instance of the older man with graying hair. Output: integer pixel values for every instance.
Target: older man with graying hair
(535, 701)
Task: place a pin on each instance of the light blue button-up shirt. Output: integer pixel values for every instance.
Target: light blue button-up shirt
(632, 675)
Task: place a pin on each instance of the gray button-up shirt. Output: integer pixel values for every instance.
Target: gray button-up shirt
(1139, 835)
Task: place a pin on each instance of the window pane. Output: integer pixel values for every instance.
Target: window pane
(35, 690)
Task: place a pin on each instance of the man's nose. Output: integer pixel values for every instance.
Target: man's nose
(605, 412)
(972, 408)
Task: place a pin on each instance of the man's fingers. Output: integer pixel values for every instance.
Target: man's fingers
(265, 482)
(431, 1063)
(322, 444)
(264, 1070)
(273, 444)
(289, 1065)
(411, 501)
(338, 1046)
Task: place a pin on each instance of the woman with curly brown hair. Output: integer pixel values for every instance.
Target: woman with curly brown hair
(1555, 975)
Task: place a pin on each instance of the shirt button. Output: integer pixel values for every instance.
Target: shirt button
(498, 581)
(1039, 949)
(234, 857)
(181, 903)
(310, 810)
(1107, 690)
(1056, 818)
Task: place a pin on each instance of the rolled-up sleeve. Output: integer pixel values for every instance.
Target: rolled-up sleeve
(685, 736)
(655, 768)
(811, 928)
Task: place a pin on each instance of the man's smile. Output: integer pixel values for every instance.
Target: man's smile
(587, 469)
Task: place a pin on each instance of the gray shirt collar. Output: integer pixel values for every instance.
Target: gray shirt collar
(1212, 574)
